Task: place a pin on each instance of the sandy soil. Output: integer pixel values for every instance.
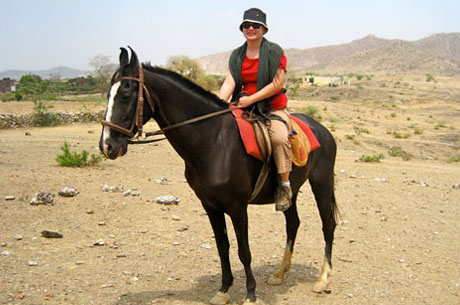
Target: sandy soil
(398, 240)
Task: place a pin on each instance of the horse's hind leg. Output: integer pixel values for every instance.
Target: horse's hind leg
(325, 199)
(292, 225)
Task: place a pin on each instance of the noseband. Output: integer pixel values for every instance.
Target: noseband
(138, 120)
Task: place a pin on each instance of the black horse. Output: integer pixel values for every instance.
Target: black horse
(216, 164)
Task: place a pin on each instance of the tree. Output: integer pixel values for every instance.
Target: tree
(102, 70)
(32, 84)
(186, 67)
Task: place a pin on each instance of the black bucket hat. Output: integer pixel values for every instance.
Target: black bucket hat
(254, 15)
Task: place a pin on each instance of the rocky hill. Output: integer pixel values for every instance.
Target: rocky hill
(437, 54)
(58, 72)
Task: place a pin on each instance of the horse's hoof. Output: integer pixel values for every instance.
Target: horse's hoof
(274, 280)
(249, 302)
(320, 286)
(221, 298)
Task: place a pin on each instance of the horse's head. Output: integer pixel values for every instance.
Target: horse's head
(125, 110)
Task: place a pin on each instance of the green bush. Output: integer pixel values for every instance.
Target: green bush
(312, 112)
(74, 159)
(17, 96)
(41, 116)
(397, 151)
(371, 158)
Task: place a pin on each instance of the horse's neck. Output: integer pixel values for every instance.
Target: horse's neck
(176, 104)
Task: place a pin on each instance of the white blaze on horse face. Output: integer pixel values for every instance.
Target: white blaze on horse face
(108, 116)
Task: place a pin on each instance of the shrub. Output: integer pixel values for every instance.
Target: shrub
(371, 158)
(397, 151)
(74, 159)
(41, 116)
(312, 112)
(429, 78)
(455, 159)
(17, 96)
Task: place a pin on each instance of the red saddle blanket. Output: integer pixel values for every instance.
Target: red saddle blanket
(249, 139)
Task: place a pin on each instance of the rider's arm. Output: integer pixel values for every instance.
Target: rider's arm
(227, 87)
(269, 90)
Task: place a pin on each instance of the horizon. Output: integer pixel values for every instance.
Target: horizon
(73, 34)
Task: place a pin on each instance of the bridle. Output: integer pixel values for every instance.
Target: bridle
(138, 120)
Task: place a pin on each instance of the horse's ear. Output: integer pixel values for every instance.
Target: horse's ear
(124, 58)
(134, 60)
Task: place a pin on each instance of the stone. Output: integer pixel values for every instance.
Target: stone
(167, 200)
(51, 234)
(42, 198)
(10, 198)
(68, 191)
(32, 263)
(99, 242)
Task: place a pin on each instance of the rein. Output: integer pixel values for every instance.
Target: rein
(139, 115)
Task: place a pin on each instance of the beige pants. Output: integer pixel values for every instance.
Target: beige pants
(279, 134)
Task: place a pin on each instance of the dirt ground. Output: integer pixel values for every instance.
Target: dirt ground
(397, 242)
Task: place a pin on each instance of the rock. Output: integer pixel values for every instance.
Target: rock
(121, 255)
(99, 242)
(90, 212)
(32, 263)
(206, 246)
(163, 181)
(167, 200)
(69, 191)
(5, 253)
(101, 223)
(10, 198)
(130, 193)
(456, 186)
(42, 198)
(79, 262)
(113, 189)
(176, 218)
(18, 237)
(51, 234)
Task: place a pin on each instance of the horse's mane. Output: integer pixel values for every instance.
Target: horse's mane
(190, 85)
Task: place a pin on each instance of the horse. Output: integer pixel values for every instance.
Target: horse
(217, 167)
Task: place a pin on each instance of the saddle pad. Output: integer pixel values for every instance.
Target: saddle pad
(249, 139)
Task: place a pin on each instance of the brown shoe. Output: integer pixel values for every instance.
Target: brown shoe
(283, 198)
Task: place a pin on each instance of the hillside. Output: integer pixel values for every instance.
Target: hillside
(437, 54)
(61, 72)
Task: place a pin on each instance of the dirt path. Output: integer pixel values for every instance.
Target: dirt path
(398, 240)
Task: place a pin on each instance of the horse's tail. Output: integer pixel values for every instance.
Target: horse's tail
(334, 207)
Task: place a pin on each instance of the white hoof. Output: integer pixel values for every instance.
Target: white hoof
(320, 286)
(274, 280)
(220, 298)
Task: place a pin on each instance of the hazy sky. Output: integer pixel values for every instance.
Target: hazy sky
(42, 34)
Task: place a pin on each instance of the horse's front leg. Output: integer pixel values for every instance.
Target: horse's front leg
(240, 224)
(219, 227)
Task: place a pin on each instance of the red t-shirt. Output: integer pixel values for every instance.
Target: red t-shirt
(249, 77)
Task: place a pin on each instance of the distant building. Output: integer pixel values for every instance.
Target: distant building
(8, 85)
(324, 80)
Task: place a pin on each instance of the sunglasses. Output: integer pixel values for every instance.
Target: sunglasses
(255, 26)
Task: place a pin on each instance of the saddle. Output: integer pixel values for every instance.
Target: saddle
(254, 134)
